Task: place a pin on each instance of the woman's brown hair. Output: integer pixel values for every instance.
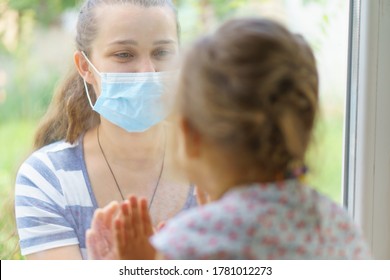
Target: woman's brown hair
(69, 114)
(252, 89)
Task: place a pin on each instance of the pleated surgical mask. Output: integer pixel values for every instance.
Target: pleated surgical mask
(132, 101)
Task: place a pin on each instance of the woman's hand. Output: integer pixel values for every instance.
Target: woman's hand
(133, 228)
(100, 237)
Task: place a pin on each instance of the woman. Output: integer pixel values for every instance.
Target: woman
(103, 137)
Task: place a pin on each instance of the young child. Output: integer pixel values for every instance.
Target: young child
(247, 102)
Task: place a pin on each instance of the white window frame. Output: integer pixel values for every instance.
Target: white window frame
(367, 123)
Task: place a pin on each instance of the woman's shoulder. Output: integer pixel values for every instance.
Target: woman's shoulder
(55, 156)
(60, 146)
(57, 169)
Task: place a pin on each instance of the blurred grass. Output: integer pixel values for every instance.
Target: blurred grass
(15, 145)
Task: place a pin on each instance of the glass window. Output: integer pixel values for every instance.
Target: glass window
(325, 25)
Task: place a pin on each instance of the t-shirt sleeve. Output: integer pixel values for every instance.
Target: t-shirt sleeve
(41, 217)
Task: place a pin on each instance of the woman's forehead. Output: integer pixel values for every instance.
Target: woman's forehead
(136, 24)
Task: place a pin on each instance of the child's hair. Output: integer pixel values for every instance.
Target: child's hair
(252, 90)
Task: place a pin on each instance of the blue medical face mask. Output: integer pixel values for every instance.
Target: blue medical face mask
(132, 101)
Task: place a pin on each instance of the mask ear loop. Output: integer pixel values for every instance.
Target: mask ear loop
(85, 83)
(90, 63)
(87, 92)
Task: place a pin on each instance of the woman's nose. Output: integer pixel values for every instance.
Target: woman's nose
(146, 65)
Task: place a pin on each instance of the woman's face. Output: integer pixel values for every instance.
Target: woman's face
(135, 39)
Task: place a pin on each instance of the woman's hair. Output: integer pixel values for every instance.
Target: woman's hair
(69, 114)
(252, 90)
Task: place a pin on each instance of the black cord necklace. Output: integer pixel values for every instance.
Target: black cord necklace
(116, 182)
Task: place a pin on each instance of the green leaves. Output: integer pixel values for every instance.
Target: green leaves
(306, 2)
(46, 11)
(221, 8)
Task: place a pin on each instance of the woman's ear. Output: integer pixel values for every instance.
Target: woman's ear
(192, 139)
(83, 67)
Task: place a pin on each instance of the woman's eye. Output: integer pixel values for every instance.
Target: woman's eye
(163, 53)
(123, 55)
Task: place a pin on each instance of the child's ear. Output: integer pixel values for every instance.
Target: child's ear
(192, 139)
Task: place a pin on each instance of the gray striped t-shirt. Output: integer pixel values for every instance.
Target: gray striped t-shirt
(54, 202)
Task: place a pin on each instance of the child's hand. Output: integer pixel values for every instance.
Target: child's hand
(132, 228)
(100, 237)
(201, 197)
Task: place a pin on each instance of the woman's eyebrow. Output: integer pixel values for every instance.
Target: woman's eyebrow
(164, 42)
(124, 42)
(134, 42)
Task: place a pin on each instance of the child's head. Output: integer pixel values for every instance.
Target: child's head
(250, 94)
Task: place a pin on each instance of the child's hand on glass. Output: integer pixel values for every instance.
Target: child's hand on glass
(132, 230)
